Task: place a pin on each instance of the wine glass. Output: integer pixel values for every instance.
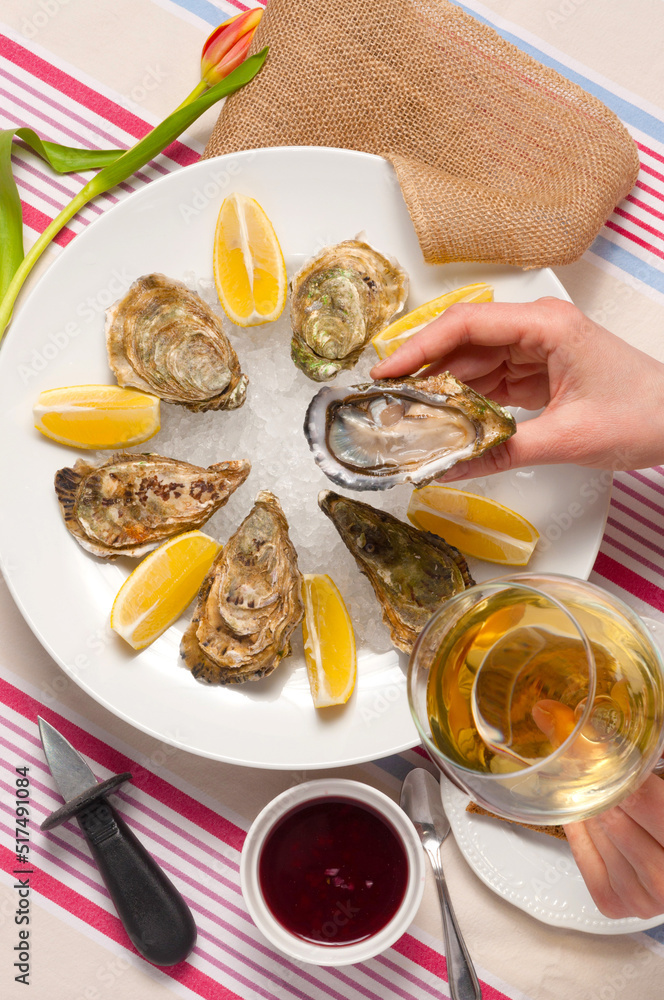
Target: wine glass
(541, 696)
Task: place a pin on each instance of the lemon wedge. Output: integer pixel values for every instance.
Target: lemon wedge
(476, 525)
(161, 587)
(96, 416)
(329, 642)
(393, 336)
(249, 268)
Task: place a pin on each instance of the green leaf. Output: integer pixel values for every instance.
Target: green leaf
(11, 221)
(63, 159)
(116, 166)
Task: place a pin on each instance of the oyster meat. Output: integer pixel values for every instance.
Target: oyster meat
(412, 572)
(249, 603)
(409, 430)
(340, 299)
(166, 340)
(129, 503)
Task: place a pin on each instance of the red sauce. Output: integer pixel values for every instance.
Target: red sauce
(333, 871)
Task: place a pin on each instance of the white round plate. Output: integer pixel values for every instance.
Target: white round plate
(314, 197)
(533, 871)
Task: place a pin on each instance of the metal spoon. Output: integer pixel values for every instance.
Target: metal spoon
(420, 800)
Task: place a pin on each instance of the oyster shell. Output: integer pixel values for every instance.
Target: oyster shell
(340, 299)
(129, 503)
(166, 340)
(412, 572)
(410, 430)
(249, 603)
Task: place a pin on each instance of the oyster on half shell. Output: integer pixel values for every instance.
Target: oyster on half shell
(166, 340)
(412, 572)
(129, 503)
(250, 602)
(409, 430)
(340, 299)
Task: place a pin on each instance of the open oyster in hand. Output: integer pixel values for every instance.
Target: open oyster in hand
(412, 572)
(166, 340)
(129, 503)
(250, 602)
(409, 430)
(340, 299)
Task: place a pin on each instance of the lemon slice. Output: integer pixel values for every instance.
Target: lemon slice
(478, 526)
(161, 587)
(249, 269)
(96, 416)
(329, 642)
(393, 336)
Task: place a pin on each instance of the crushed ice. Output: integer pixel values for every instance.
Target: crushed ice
(267, 430)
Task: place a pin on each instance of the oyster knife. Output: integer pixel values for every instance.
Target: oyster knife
(153, 913)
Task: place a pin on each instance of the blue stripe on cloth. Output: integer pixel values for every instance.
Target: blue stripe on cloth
(628, 262)
(206, 11)
(657, 933)
(629, 113)
(396, 766)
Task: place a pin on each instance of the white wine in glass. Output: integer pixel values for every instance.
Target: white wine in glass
(542, 696)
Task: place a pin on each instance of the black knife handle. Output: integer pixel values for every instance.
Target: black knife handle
(153, 912)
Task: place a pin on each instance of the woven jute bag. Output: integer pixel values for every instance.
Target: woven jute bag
(499, 158)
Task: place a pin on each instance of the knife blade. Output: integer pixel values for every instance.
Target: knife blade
(154, 914)
(421, 801)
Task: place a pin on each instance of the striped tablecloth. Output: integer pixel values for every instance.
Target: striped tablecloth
(101, 74)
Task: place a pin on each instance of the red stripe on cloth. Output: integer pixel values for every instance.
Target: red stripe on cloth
(657, 487)
(105, 755)
(107, 923)
(652, 172)
(631, 553)
(38, 221)
(433, 962)
(649, 151)
(630, 581)
(639, 222)
(645, 206)
(634, 238)
(635, 535)
(90, 99)
(650, 190)
(236, 3)
(642, 499)
(421, 954)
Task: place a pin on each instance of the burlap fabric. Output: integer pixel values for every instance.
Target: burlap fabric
(499, 158)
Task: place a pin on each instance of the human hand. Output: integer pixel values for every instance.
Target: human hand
(603, 399)
(620, 853)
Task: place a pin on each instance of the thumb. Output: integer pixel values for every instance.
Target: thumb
(536, 442)
(554, 719)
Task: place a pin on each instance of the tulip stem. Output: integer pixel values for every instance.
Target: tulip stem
(37, 249)
(199, 89)
(120, 168)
